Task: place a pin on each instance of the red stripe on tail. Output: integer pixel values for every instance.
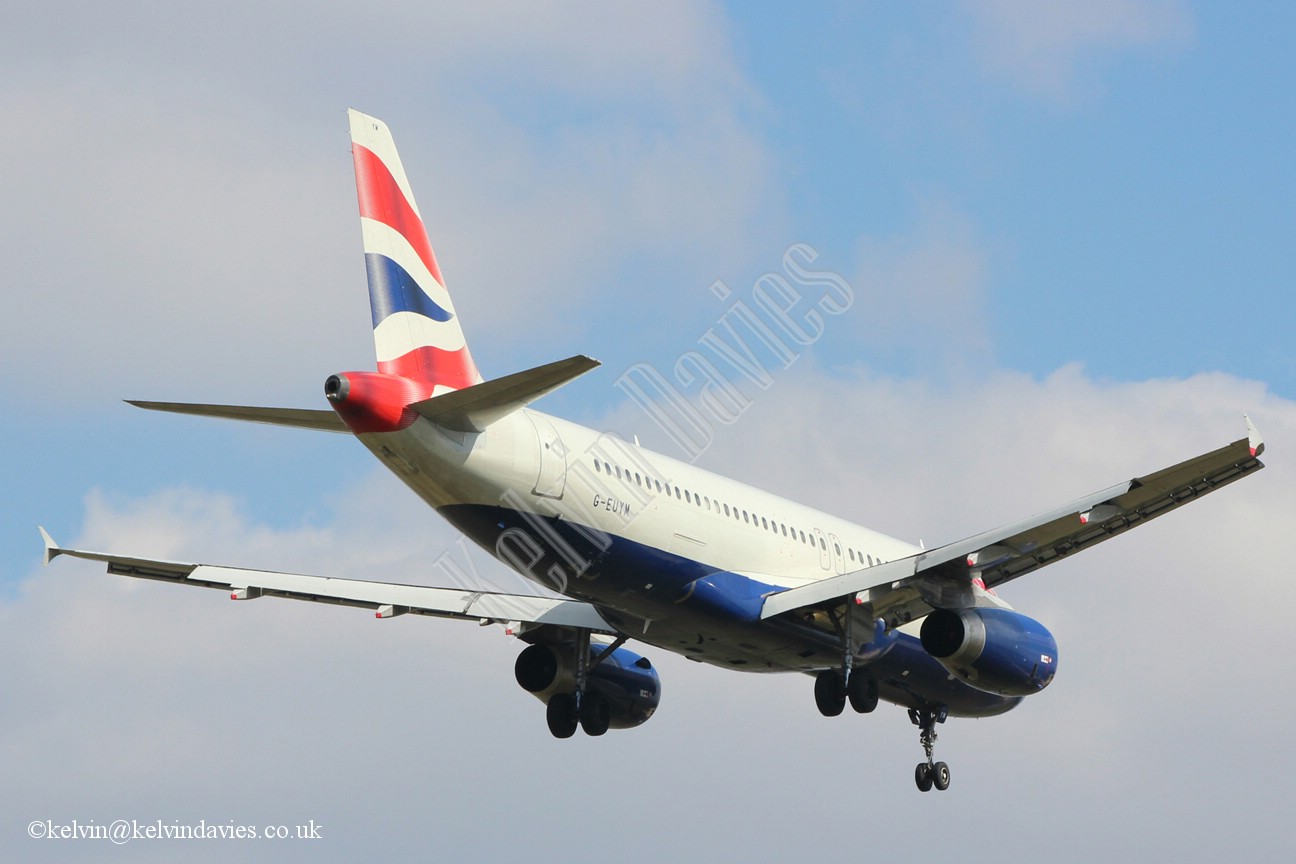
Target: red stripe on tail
(381, 199)
(454, 369)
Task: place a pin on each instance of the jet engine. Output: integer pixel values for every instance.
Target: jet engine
(995, 650)
(626, 680)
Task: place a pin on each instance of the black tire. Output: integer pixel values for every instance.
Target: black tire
(923, 777)
(940, 776)
(561, 715)
(863, 693)
(595, 714)
(830, 695)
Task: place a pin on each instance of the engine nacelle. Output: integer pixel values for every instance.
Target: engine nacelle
(995, 650)
(627, 680)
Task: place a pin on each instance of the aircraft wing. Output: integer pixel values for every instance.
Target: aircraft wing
(386, 598)
(909, 588)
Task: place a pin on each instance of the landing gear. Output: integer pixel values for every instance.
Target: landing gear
(595, 714)
(940, 776)
(831, 696)
(830, 692)
(582, 708)
(833, 687)
(929, 773)
(863, 693)
(561, 715)
(929, 776)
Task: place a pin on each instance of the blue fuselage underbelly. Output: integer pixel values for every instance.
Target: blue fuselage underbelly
(648, 593)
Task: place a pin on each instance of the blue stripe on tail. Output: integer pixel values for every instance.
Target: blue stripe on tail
(392, 290)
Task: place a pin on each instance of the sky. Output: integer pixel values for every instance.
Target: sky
(1064, 232)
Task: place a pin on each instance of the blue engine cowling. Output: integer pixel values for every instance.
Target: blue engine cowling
(995, 650)
(627, 680)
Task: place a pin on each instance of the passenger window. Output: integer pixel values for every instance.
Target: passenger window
(803, 537)
(618, 472)
(597, 467)
(852, 554)
(745, 519)
(638, 479)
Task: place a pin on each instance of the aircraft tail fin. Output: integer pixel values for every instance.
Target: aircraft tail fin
(416, 331)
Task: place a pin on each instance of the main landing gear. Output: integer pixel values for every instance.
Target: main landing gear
(833, 687)
(583, 707)
(566, 711)
(929, 773)
(832, 694)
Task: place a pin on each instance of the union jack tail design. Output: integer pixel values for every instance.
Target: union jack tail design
(416, 331)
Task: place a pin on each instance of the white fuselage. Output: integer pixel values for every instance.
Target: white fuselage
(564, 470)
(640, 535)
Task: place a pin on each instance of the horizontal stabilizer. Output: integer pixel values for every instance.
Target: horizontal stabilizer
(474, 408)
(324, 420)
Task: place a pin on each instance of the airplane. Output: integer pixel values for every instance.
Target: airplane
(634, 545)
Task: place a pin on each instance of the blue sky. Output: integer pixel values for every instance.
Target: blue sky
(1068, 234)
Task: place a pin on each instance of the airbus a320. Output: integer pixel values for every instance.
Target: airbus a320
(648, 549)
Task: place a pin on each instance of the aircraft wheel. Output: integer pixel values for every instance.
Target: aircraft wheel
(595, 714)
(940, 776)
(863, 693)
(561, 715)
(923, 777)
(830, 695)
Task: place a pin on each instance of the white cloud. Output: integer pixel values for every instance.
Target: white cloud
(183, 199)
(167, 219)
(271, 710)
(531, 234)
(161, 239)
(921, 295)
(1169, 636)
(1044, 47)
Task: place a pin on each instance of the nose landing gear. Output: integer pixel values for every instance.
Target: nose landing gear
(929, 773)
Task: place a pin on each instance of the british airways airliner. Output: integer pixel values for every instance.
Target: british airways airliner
(636, 546)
